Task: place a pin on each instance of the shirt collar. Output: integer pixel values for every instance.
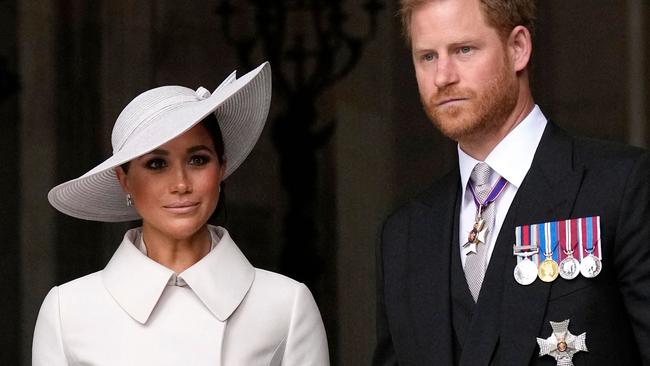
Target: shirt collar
(220, 280)
(512, 157)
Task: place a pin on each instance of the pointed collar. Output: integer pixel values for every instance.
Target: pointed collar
(220, 280)
(513, 156)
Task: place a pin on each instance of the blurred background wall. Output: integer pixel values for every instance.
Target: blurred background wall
(68, 67)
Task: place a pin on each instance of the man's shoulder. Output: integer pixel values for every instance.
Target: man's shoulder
(558, 146)
(599, 147)
(606, 155)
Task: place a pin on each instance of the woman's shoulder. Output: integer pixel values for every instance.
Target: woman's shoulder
(275, 279)
(276, 285)
(73, 296)
(85, 285)
(275, 289)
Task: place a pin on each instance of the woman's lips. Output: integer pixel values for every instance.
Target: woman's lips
(184, 207)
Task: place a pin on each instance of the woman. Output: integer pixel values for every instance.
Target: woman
(177, 291)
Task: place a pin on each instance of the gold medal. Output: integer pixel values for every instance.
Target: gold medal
(548, 270)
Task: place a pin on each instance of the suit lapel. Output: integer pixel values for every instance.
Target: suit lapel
(430, 240)
(508, 314)
(548, 193)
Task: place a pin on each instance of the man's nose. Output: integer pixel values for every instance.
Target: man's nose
(446, 72)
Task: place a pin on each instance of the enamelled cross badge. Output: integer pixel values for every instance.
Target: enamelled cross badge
(561, 344)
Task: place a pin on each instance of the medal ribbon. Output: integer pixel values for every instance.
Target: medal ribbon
(581, 238)
(534, 241)
(547, 234)
(590, 229)
(590, 235)
(554, 242)
(498, 188)
(574, 236)
(545, 239)
(565, 239)
(597, 248)
(524, 238)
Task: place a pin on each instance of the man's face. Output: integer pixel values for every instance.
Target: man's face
(466, 79)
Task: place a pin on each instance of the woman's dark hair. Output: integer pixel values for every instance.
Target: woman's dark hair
(212, 125)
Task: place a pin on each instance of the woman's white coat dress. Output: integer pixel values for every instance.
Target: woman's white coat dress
(220, 311)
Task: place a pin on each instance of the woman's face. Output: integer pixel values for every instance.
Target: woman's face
(175, 188)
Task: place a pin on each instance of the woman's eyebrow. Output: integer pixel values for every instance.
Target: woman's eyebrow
(196, 148)
(157, 152)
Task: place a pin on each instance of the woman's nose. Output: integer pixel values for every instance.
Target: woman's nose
(181, 182)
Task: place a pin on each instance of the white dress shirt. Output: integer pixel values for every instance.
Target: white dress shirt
(510, 159)
(219, 311)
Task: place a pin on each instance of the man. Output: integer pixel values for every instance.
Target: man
(448, 292)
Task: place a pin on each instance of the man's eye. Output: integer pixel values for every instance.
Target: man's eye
(156, 164)
(465, 49)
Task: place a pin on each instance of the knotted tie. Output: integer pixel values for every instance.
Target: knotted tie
(475, 263)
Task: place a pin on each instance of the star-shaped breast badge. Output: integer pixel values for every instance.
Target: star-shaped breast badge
(562, 345)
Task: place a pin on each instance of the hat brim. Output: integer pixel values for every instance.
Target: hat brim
(241, 107)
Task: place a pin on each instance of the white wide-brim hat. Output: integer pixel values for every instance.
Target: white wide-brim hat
(156, 117)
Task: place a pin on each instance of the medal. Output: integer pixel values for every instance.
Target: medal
(480, 230)
(561, 344)
(526, 270)
(548, 270)
(569, 266)
(590, 265)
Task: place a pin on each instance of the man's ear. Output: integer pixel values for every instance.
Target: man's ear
(520, 47)
(121, 177)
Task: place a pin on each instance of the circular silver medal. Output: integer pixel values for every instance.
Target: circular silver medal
(569, 268)
(590, 266)
(525, 272)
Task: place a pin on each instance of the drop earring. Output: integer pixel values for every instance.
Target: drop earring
(129, 200)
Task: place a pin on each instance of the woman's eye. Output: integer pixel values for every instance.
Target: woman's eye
(156, 164)
(199, 160)
(428, 57)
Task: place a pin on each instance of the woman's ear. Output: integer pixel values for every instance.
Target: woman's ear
(121, 177)
(222, 169)
(520, 46)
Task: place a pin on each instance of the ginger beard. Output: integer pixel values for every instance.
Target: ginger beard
(485, 110)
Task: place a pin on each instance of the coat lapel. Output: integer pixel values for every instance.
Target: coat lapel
(430, 240)
(548, 193)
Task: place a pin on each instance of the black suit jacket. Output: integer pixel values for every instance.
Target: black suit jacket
(569, 178)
